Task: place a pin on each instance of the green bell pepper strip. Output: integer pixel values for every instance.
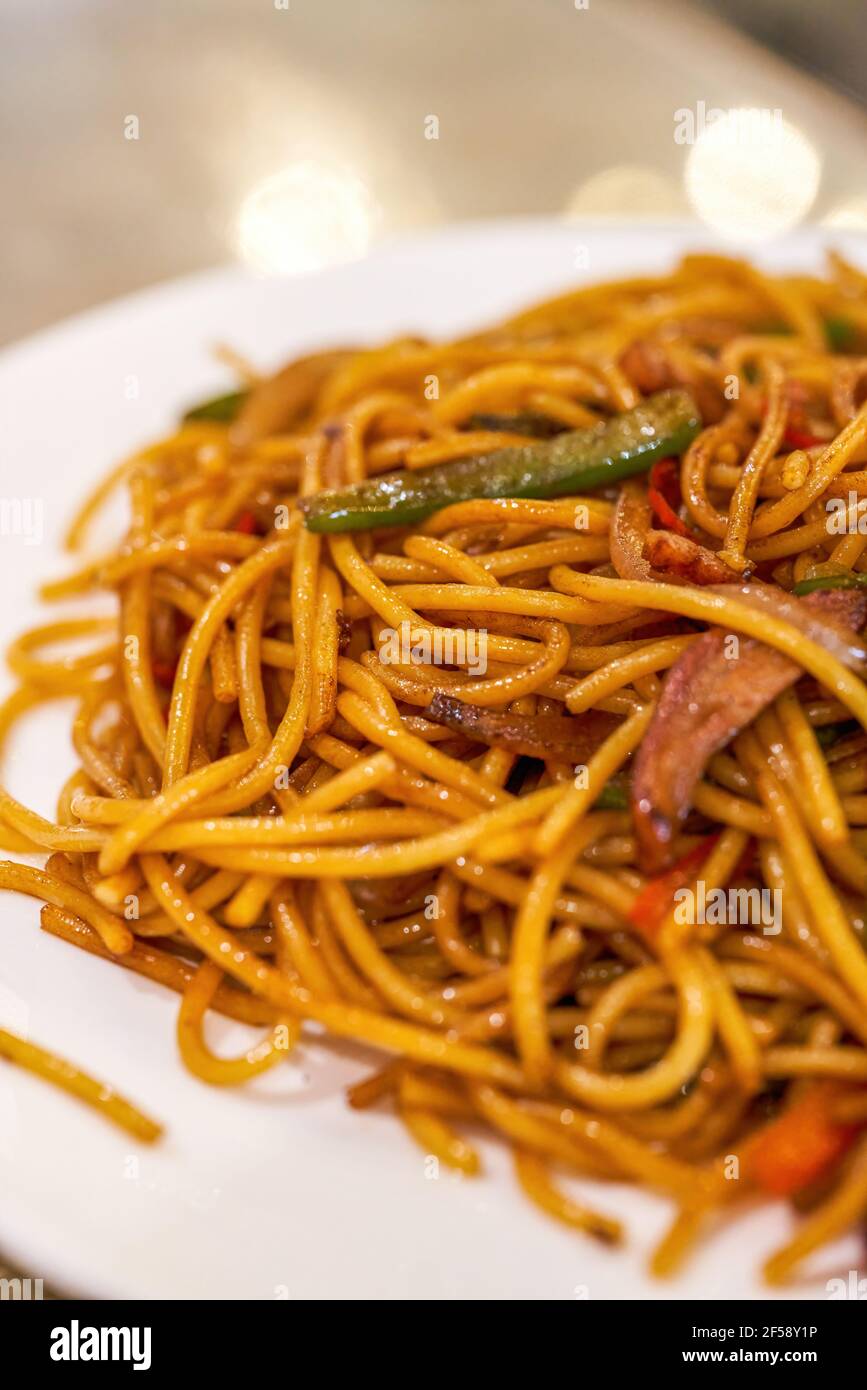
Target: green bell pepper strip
(830, 581)
(221, 408)
(829, 734)
(575, 462)
(614, 796)
(840, 333)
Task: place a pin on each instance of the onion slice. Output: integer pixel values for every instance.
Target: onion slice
(679, 558)
(637, 552)
(710, 695)
(630, 527)
(828, 623)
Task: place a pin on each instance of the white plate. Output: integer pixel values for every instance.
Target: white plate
(278, 1190)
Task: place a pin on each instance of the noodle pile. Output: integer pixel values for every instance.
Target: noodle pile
(268, 820)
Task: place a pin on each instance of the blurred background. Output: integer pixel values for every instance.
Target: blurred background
(143, 141)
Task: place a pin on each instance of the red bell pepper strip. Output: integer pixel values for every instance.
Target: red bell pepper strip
(656, 898)
(797, 435)
(164, 673)
(801, 439)
(794, 1150)
(247, 524)
(747, 862)
(663, 493)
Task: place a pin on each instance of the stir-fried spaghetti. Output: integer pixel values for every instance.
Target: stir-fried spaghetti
(500, 704)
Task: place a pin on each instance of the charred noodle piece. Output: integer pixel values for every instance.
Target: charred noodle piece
(707, 699)
(567, 739)
(574, 462)
(282, 400)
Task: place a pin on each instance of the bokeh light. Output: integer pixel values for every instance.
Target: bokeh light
(751, 178)
(627, 190)
(848, 215)
(307, 216)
